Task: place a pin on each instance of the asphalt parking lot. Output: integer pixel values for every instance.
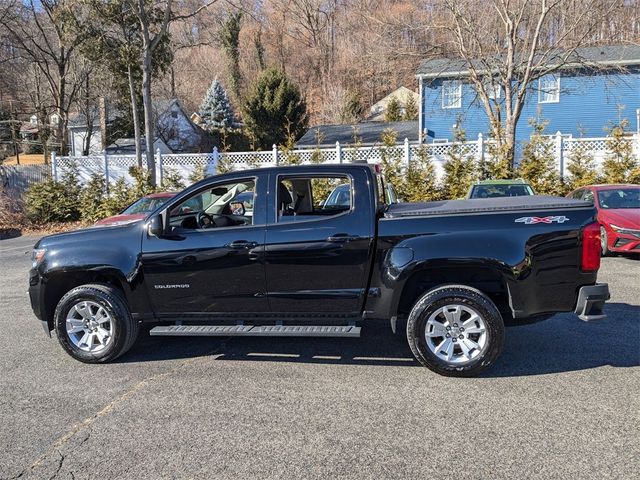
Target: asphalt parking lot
(563, 401)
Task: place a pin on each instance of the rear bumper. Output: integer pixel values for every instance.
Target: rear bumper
(591, 301)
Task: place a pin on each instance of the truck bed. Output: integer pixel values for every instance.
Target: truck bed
(484, 205)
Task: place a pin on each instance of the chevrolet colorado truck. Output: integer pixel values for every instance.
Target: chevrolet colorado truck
(452, 273)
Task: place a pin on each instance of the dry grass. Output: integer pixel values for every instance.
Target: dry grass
(31, 159)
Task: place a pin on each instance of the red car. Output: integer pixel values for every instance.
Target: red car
(138, 209)
(618, 213)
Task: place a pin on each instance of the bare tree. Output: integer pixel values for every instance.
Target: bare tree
(513, 43)
(154, 18)
(43, 32)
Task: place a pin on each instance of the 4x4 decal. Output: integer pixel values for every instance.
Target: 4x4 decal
(534, 220)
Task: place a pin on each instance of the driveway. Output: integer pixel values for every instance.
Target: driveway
(561, 402)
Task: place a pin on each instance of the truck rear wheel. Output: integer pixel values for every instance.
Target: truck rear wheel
(93, 323)
(455, 330)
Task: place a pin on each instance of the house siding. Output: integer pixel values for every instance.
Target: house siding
(588, 105)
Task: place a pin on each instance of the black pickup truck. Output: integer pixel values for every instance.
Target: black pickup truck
(266, 252)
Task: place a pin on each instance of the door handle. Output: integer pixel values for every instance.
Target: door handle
(241, 245)
(342, 238)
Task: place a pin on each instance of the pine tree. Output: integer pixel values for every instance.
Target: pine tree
(460, 169)
(420, 182)
(216, 110)
(172, 180)
(621, 164)
(410, 108)
(393, 113)
(274, 109)
(391, 162)
(538, 165)
(581, 167)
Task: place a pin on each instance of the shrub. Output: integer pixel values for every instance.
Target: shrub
(171, 181)
(93, 199)
(393, 113)
(119, 198)
(141, 182)
(52, 201)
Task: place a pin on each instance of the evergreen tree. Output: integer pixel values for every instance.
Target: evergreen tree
(171, 181)
(538, 165)
(621, 164)
(581, 167)
(410, 108)
(391, 161)
(274, 109)
(393, 113)
(216, 110)
(459, 169)
(420, 182)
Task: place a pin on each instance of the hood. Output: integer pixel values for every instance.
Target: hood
(102, 234)
(121, 219)
(622, 217)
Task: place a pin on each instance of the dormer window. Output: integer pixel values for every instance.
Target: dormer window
(33, 120)
(54, 119)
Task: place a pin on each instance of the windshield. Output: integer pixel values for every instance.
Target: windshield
(619, 198)
(144, 205)
(493, 191)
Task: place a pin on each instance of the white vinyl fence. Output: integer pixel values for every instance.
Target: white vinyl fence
(116, 166)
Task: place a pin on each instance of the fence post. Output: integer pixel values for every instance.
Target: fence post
(559, 153)
(480, 152)
(339, 152)
(407, 152)
(54, 165)
(158, 166)
(275, 154)
(106, 171)
(212, 166)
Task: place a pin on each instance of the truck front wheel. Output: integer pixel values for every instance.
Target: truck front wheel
(93, 323)
(455, 330)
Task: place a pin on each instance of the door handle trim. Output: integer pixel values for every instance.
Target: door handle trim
(342, 238)
(241, 245)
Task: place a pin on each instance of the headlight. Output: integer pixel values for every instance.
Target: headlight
(37, 256)
(627, 231)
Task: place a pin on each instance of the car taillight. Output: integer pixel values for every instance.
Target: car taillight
(590, 248)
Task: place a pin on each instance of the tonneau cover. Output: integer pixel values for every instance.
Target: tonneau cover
(484, 205)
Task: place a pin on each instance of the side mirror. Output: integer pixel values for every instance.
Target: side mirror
(237, 208)
(155, 226)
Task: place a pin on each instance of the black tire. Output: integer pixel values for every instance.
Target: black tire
(113, 301)
(604, 244)
(434, 300)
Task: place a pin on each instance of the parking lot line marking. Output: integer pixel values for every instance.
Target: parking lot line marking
(285, 355)
(383, 359)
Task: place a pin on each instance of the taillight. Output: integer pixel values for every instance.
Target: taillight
(591, 248)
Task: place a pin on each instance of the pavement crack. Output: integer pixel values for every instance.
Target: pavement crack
(60, 462)
(88, 422)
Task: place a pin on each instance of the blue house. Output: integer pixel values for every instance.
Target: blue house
(579, 100)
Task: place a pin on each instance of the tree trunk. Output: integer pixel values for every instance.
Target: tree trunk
(135, 113)
(148, 113)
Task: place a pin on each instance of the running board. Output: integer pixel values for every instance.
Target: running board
(256, 331)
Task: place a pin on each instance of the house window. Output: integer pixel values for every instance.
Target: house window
(451, 94)
(493, 90)
(549, 89)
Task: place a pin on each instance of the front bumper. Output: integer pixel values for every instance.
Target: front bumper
(624, 243)
(591, 301)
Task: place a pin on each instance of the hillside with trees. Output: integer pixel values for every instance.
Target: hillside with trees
(338, 56)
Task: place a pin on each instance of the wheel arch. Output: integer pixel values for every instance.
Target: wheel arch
(59, 283)
(488, 278)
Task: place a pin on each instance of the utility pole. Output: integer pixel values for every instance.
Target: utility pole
(13, 131)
